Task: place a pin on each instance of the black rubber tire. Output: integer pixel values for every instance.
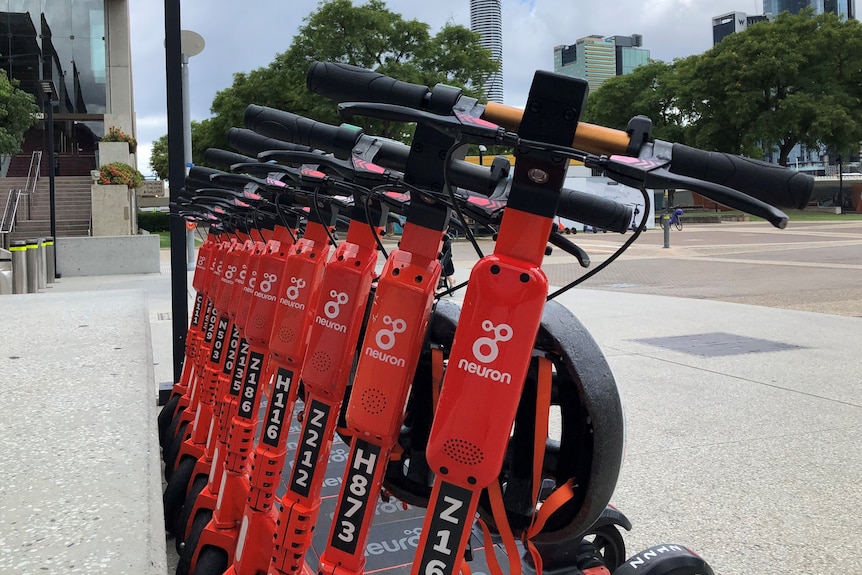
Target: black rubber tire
(166, 417)
(175, 492)
(185, 562)
(174, 450)
(609, 541)
(182, 521)
(211, 561)
(171, 434)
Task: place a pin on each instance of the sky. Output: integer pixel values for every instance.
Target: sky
(242, 36)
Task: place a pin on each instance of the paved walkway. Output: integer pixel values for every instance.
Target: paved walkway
(743, 421)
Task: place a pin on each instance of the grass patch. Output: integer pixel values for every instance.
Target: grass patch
(165, 240)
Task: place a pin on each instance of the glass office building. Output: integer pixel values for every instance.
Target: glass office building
(843, 8)
(70, 44)
(596, 59)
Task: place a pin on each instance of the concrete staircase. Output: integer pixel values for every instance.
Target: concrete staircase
(72, 207)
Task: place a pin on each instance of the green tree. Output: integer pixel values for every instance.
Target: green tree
(368, 35)
(159, 152)
(780, 84)
(17, 109)
(159, 158)
(651, 90)
(773, 86)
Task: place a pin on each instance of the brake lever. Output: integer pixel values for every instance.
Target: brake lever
(568, 246)
(460, 126)
(352, 169)
(653, 173)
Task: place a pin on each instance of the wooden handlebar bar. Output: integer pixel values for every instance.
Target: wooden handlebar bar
(588, 137)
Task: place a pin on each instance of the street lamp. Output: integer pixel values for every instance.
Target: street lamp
(482, 150)
(49, 94)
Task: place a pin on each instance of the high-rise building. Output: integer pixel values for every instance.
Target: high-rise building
(843, 8)
(83, 48)
(486, 18)
(629, 53)
(727, 24)
(596, 59)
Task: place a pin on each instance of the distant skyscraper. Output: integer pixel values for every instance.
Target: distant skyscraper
(596, 59)
(727, 24)
(845, 8)
(486, 18)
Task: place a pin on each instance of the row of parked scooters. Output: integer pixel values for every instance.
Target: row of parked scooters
(334, 414)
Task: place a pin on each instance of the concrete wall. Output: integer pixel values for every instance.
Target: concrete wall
(110, 152)
(100, 256)
(112, 210)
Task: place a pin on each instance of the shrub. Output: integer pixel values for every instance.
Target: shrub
(154, 221)
(117, 135)
(120, 173)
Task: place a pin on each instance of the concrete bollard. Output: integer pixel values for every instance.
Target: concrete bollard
(32, 266)
(43, 265)
(50, 268)
(19, 266)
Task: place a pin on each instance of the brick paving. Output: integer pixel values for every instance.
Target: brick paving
(810, 266)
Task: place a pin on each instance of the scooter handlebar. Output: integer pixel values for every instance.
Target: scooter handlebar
(342, 83)
(300, 130)
(251, 143)
(223, 159)
(595, 211)
(773, 184)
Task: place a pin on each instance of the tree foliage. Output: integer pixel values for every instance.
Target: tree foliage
(17, 110)
(201, 137)
(369, 36)
(773, 86)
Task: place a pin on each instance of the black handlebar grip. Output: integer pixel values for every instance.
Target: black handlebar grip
(224, 159)
(346, 83)
(300, 130)
(770, 183)
(595, 211)
(251, 143)
(199, 176)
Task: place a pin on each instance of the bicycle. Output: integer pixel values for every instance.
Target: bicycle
(676, 219)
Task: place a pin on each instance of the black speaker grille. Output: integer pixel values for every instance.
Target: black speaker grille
(463, 452)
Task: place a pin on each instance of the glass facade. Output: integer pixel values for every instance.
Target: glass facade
(62, 41)
(843, 8)
(597, 59)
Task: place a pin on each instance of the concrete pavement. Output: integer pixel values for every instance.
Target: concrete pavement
(743, 421)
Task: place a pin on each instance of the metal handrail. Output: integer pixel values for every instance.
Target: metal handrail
(33, 172)
(10, 208)
(14, 197)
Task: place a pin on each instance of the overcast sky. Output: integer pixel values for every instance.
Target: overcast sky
(242, 36)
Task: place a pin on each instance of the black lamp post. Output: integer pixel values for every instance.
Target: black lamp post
(49, 92)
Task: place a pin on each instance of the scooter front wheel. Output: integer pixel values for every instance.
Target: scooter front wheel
(198, 525)
(182, 524)
(211, 561)
(175, 492)
(166, 417)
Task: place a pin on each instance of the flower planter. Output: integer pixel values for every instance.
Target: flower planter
(112, 210)
(110, 152)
